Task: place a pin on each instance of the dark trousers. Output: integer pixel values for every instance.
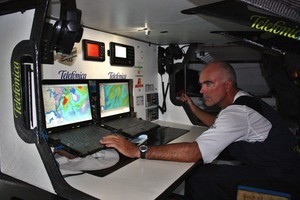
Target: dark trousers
(220, 182)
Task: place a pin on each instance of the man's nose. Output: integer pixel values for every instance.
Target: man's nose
(202, 90)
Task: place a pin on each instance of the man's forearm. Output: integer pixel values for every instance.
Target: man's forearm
(207, 118)
(181, 152)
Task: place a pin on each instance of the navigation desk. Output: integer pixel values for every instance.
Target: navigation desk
(141, 179)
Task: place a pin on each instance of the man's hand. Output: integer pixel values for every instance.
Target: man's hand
(185, 98)
(122, 145)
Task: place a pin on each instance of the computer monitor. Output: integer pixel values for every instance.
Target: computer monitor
(114, 98)
(66, 103)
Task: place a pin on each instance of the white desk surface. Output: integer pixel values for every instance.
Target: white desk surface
(140, 179)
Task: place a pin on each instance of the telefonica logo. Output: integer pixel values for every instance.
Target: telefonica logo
(278, 28)
(64, 74)
(16, 86)
(117, 75)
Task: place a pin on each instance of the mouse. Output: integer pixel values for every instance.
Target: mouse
(141, 139)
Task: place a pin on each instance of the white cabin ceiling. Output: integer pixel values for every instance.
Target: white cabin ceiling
(161, 22)
(129, 18)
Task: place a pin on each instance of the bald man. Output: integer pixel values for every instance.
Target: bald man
(250, 129)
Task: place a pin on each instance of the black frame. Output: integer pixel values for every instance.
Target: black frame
(101, 50)
(66, 81)
(129, 61)
(130, 87)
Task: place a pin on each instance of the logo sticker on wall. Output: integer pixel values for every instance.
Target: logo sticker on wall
(68, 59)
(113, 75)
(138, 71)
(139, 76)
(65, 74)
(139, 83)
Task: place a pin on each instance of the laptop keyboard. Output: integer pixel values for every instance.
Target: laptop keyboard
(125, 122)
(137, 129)
(86, 135)
(131, 125)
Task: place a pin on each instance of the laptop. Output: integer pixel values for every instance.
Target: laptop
(68, 117)
(115, 109)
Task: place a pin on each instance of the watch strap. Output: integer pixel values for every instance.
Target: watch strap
(143, 150)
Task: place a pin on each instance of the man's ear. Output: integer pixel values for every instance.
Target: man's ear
(228, 85)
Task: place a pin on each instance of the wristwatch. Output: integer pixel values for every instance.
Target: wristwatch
(143, 150)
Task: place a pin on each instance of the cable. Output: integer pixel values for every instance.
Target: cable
(163, 108)
(77, 174)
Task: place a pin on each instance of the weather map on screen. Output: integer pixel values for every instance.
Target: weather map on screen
(66, 104)
(114, 98)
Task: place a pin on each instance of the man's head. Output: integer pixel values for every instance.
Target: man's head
(218, 80)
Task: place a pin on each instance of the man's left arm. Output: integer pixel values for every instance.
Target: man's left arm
(181, 152)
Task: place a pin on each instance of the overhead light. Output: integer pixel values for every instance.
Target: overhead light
(146, 30)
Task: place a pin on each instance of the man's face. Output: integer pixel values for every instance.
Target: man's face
(213, 87)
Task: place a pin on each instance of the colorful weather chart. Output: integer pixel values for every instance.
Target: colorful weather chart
(66, 104)
(116, 96)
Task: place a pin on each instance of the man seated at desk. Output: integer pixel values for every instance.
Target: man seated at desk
(251, 130)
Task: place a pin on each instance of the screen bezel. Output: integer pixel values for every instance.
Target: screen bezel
(107, 118)
(73, 125)
(128, 61)
(99, 45)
